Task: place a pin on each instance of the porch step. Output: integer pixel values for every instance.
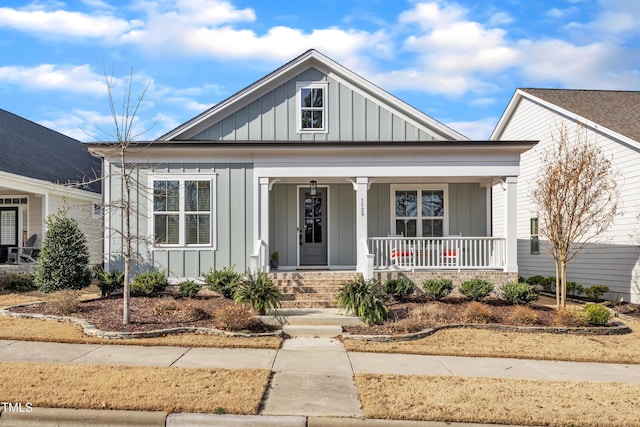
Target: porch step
(312, 331)
(310, 289)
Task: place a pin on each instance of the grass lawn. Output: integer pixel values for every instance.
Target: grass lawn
(167, 389)
(499, 401)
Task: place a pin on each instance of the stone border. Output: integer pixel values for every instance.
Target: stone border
(619, 328)
(93, 331)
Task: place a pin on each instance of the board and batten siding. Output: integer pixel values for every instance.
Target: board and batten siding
(233, 221)
(351, 116)
(614, 260)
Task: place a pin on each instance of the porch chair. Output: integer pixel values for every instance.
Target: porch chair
(24, 254)
(451, 256)
(401, 255)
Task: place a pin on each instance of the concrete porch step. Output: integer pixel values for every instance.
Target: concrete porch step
(311, 317)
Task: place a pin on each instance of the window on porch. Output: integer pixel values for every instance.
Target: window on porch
(419, 212)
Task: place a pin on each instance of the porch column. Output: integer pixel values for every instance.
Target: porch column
(364, 262)
(511, 224)
(262, 250)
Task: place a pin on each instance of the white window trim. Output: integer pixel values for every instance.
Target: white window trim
(325, 97)
(182, 178)
(443, 187)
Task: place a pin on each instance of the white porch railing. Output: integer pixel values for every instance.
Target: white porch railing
(437, 253)
(258, 259)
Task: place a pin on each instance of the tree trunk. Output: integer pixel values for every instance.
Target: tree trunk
(557, 283)
(563, 293)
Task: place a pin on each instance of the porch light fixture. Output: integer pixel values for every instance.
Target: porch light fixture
(314, 187)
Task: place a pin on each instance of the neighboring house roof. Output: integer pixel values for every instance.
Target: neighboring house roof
(34, 151)
(311, 58)
(617, 111)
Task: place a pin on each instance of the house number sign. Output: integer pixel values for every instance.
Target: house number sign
(362, 213)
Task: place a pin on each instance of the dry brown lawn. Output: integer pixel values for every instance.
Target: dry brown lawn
(7, 300)
(52, 331)
(499, 401)
(544, 346)
(237, 391)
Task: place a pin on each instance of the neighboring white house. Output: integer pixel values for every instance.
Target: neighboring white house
(612, 119)
(36, 166)
(322, 166)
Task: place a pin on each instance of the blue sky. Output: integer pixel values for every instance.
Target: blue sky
(459, 62)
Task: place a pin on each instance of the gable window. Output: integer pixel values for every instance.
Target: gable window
(535, 245)
(312, 107)
(183, 211)
(419, 211)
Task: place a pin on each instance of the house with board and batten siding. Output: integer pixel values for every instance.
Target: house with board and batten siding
(612, 120)
(318, 164)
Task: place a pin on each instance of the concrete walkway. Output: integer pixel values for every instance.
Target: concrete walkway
(312, 382)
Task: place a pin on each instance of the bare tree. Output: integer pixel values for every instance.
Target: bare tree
(124, 117)
(576, 196)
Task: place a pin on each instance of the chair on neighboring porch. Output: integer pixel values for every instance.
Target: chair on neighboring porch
(24, 254)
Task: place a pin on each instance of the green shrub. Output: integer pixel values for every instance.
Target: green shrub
(521, 279)
(258, 290)
(109, 282)
(437, 288)
(399, 289)
(364, 299)
(595, 314)
(224, 281)
(64, 258)
(536, 280)
(595, 292)
(17, 282)
(574, 288)
(519, 293)
(189, 288)
(548, 284)
(476, 289)
(148, 284)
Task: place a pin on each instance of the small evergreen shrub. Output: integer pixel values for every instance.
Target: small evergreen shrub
(224, 281)
(548, 284)
(149, 284)
(399, 289)
(518, 293)
(595, 292)
(570, 317)
(574, 289)
(233, 318)
(597, 315)
(435, 289)
(476, 289)
(364, 299)
(17, 282)
(523, 315)
(477, 312)
(535, 280)
(258, 291)
(189, 288)
(65, 301)
(109, 282)
(64, 258)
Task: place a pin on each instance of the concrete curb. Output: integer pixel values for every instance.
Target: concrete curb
(82, 417)
(92, 330)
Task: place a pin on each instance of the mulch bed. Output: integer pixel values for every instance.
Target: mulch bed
(148, 314)
(626, 308)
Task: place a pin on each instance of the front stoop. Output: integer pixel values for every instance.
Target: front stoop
(310, 289)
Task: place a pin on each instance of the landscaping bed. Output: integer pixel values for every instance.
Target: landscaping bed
(150, 314)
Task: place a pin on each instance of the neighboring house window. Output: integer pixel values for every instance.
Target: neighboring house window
(419, 212)
(312, 107)
(535, 245)
(183, 211)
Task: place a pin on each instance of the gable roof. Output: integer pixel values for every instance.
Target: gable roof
(311, 58)
(617, 111)
(34, 151)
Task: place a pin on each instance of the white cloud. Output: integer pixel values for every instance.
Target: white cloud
(79, 79)
(500, 18)
(62, 23)
(478, 130)
(557, 13)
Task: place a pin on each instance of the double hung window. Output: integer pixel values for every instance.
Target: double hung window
(183, 211)
(312, 107)
(419, 212)
(535, 245)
